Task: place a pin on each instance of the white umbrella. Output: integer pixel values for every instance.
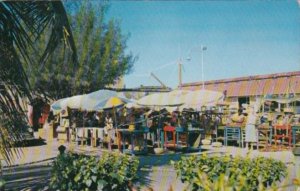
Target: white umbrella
(132, 104)
(73, 102)
(83, 102)
(156, 99)
(178, 95)
(179, 92)
(171, 99)
(56, 106)
(197, 99)
(91, 100)
(111, 102)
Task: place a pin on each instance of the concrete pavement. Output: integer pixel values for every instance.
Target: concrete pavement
(155, 170)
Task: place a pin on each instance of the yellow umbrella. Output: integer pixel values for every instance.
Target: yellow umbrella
(111, 102)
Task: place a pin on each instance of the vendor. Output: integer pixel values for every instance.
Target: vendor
(238, 118)
(94, 120)
(174, 119)
(288, 118)
(108, 123)
(109, 130)
(101, 121)
(251, 130)
(278, 120)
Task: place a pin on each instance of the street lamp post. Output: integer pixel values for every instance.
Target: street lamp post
(202, 73)
(202, 49)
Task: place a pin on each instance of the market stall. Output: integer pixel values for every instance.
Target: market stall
(85, 112)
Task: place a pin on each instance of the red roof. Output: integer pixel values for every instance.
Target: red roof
(280, 83)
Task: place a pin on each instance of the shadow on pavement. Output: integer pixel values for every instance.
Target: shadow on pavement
(149, 162)
(30, 143)
(162, 163)
(30, 177)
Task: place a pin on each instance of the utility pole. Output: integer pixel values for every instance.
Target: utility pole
(203, 48)
(180, 72)
(202, 73)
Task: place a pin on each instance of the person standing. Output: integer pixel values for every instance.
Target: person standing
(238, 118)
(250, 130)
(108, 129)
(288, 118)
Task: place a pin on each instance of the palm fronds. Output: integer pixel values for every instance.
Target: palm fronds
(21, 24)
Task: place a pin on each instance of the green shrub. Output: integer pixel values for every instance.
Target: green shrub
(203, 172)
(80, 172)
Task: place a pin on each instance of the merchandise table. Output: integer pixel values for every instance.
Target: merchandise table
(188, 132)
(295, 129)
(133, 134)
(96, 133)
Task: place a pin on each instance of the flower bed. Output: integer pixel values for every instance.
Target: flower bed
(219, 173)
(80, 172)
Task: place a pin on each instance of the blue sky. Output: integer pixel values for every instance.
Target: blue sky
(242, 38)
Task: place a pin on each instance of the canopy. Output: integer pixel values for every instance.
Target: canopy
(90, 101)
(111, 102)
(57, 105)
(73, 102)
(132, 105)
(197, 99)
(182, 98)
(156, 99)
(84, 102)
(171, 99)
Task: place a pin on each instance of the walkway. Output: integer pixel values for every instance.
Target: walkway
(32, 170)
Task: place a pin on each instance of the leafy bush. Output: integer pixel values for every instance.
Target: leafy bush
(205, 173)
(80, 172)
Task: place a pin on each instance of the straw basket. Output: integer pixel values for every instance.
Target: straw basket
(158, 150)
(288, 110)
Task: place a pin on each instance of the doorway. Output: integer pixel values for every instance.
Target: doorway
(243, 100)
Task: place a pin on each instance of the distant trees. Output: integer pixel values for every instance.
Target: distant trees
(102, 56)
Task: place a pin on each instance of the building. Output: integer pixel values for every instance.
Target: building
(251, 88)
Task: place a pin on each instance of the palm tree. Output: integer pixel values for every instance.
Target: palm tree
(21, 24)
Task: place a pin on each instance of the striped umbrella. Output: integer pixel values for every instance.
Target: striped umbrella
(169, 99)
(111, 102)
(83, 102)
(197, 99)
